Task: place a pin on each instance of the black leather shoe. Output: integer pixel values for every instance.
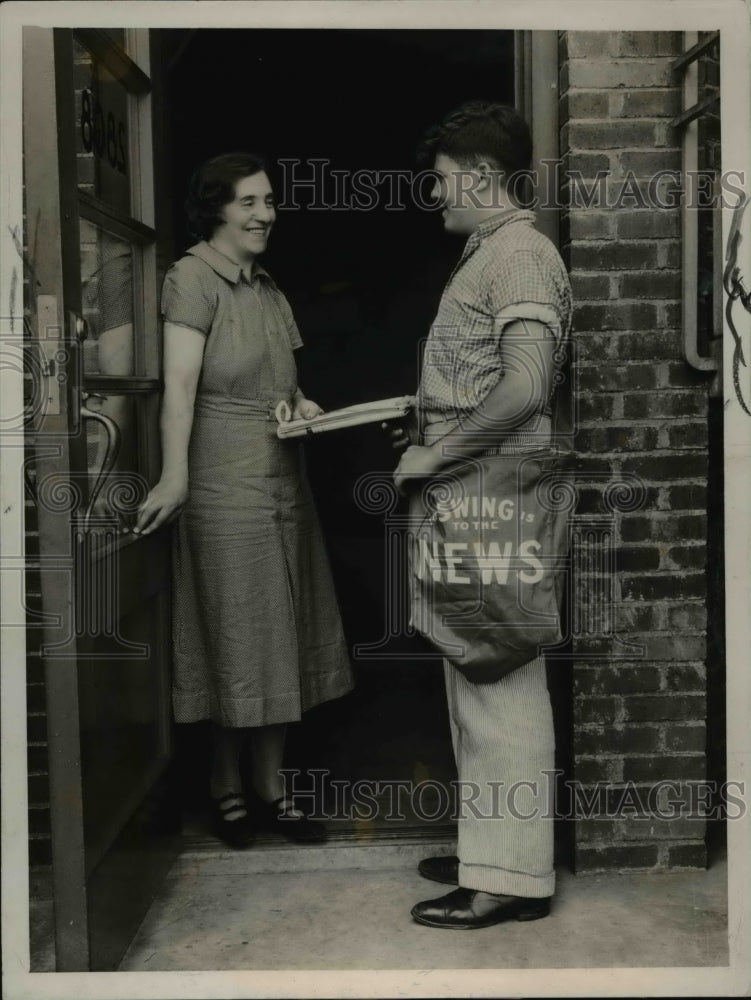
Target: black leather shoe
(444, 870)
(467, 909)
(231, 821)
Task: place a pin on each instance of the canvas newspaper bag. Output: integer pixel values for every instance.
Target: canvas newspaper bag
(488, 549)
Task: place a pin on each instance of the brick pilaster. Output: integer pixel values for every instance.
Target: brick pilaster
(642, 412)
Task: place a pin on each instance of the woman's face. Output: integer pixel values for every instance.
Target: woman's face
(248, 218)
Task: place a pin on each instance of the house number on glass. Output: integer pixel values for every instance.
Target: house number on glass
(101, 132)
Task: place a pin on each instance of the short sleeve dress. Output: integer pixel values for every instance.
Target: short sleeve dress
(256, 628)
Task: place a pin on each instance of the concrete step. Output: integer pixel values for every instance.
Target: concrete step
(269, 854)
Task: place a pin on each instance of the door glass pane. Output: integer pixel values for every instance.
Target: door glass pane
(111, 450)
(107, 301)
(121, 694)
(102, 105)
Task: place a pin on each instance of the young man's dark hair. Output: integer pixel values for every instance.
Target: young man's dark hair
(481, 130)
(213, 185)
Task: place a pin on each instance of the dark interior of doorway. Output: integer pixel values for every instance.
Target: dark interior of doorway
(364, 286)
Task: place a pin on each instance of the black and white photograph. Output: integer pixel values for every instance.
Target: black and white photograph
(375, 463)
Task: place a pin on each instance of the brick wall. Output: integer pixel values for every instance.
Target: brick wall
(40, 849)
(639, 717)
(37, 750)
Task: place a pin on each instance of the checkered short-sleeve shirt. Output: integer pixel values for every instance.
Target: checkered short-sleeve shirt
(508, 271)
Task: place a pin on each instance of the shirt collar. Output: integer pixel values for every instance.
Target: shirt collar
(223, 266)
(494, 223)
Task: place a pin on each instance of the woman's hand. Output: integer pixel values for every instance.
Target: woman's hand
(162, 505)
(305, 409)
(417, 462)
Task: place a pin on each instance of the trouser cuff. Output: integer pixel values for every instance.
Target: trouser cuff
(499, 880)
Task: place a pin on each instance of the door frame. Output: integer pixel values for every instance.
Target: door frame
(41, 117)
(536, 85)
(51, 187)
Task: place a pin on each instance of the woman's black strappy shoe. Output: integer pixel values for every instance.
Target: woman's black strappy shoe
(231, 820)
(281, 816)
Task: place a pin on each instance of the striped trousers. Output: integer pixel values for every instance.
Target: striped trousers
(504, 747)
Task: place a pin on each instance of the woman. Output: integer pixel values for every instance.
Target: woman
(257, 633)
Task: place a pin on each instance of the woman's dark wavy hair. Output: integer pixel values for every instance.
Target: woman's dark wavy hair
(213, 185)
(480, 130)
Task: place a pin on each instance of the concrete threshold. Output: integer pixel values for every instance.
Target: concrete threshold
(269, 855)
(346, 904)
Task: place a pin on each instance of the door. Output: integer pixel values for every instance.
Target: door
(92, 256)
(364, 284)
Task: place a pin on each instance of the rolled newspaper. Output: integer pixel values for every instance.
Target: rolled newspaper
(351, 416)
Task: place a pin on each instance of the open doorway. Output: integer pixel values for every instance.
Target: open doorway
(364, 286)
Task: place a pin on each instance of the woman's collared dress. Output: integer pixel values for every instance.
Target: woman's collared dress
(256, 628)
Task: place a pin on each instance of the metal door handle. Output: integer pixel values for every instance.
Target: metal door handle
(81, 327)
(110, 456)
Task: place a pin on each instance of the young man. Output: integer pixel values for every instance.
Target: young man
(488, 374)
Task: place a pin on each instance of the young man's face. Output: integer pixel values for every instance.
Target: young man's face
(247, 220)
(455, 189)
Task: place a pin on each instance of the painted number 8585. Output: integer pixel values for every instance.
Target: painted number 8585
(101, 133)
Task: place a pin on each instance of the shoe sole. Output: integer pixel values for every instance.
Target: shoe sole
(522, 916)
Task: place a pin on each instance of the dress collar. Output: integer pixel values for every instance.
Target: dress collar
(223, 266)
